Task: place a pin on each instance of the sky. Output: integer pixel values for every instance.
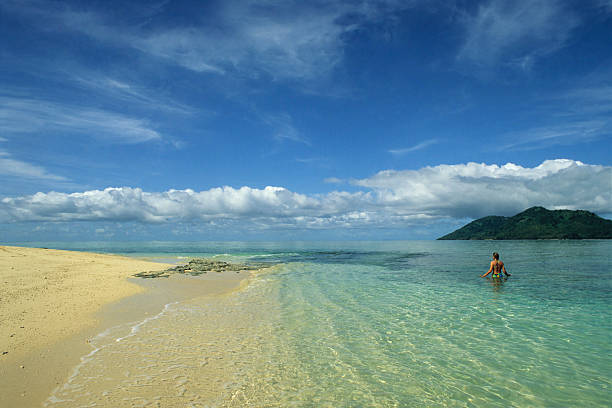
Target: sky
(298, 120)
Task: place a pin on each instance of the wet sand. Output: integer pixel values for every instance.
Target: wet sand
(53, 302)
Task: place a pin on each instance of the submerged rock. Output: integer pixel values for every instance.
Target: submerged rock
(198, 266)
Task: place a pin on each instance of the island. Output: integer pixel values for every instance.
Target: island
(536, 223)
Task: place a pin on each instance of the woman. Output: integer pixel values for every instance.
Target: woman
(496, 267)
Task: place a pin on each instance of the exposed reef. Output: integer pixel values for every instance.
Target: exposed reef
(198, 266)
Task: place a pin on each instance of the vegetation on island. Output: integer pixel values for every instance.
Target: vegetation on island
(537, 223)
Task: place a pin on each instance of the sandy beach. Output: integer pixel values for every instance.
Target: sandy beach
(52, 302)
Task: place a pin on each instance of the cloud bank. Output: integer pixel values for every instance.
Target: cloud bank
(474, 190)
(389, 199)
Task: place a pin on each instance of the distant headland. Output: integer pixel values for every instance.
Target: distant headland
(536, 223)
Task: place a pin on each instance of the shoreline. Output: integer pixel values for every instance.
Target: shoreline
(54, 302)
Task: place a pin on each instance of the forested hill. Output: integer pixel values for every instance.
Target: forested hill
(537, 223)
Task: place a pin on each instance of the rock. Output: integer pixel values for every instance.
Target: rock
(198, 266)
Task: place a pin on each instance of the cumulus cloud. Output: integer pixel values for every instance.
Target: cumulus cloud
(474, 190)
(133, 204)
(389, 199)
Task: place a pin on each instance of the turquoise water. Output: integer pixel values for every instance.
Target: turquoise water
(406, 324)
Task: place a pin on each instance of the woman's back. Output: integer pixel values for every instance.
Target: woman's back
(497, 268)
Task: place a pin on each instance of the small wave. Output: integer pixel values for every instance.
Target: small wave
(100, 342)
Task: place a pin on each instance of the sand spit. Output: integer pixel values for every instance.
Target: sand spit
(52, 302)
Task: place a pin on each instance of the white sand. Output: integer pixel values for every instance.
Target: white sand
(49, 307)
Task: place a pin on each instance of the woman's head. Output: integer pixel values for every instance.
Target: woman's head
(495, 256)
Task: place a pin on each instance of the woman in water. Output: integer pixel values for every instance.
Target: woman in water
(496, 267)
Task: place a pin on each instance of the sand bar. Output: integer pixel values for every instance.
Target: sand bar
(53, 301)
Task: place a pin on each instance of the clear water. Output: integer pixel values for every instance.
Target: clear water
(368, 324)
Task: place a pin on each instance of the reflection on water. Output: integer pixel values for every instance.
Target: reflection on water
(497, 283)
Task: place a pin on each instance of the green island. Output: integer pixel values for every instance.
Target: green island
(536, 223)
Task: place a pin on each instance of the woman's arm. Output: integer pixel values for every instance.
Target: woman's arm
(504, 269)
(490, 269)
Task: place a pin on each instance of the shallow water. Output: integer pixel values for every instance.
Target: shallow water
(368, 324)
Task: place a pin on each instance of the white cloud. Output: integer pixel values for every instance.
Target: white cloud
(296, 41)
(390, 199)
(281, 39)
(590, 100)
(134, 204)
(414, 148)
(21, 169)
(565, 134)
(22, 115)
(579, 115)
(122, 90)
(474, 190)
(285, 40)
(283, 128)
(516, 32)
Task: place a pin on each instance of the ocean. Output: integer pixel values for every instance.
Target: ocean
(366, 324)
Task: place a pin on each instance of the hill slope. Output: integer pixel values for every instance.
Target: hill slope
(537, 223)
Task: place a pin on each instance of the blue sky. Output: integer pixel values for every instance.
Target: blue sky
(298, 120)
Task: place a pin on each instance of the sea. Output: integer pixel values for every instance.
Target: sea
(365, 324)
